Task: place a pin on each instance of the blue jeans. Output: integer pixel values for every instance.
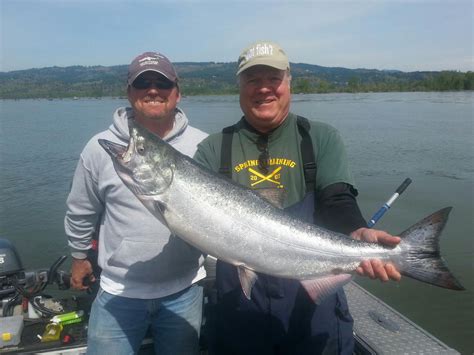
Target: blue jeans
(117, 325)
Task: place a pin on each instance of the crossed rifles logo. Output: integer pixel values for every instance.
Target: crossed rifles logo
(258, 177)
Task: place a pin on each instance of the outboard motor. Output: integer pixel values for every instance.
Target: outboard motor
(9, 260)
(17, 285)
(10, 267)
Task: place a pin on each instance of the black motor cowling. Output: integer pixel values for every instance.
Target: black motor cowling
(9, 260)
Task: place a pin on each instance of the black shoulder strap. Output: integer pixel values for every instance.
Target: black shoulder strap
(307, 153)
(226, 151)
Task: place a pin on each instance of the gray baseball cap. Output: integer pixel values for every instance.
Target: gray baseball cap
(151, 61)
(263, 53)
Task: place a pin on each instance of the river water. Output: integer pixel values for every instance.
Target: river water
(428, 137)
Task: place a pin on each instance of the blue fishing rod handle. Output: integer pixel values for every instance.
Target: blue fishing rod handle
(378, 215)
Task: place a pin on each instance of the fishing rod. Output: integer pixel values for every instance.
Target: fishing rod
(386, 206)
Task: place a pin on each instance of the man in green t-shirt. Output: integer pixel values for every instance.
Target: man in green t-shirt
(305, 162)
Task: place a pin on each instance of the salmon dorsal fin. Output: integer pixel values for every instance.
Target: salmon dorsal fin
(276, 197)
(319, 289)
(247, 279)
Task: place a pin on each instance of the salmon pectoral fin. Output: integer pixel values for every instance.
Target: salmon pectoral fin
(247, 279)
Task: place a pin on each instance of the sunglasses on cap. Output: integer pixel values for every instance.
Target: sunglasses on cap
(142, 83)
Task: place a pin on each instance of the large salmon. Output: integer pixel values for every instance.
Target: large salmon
(234, 224)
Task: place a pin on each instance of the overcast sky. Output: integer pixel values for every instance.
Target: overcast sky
(407, 35)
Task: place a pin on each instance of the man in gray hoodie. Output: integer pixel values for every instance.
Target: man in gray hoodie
(148, 276)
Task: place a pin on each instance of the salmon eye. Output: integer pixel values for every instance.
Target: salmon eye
(140, 146)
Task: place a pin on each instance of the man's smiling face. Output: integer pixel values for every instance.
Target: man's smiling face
(153, 96)
(265, 96)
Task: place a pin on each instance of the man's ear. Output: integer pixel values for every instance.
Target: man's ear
(128, 92)
(178, 99)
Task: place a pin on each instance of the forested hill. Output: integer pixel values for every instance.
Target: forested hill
(205, 78)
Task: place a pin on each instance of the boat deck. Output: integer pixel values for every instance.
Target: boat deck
(379, 329)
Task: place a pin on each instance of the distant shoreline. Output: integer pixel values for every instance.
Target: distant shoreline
(219, 79)
(234, 94)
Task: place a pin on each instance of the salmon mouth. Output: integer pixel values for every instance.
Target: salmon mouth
(115, 150)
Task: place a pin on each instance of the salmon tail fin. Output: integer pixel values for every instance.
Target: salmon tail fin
(420, 249)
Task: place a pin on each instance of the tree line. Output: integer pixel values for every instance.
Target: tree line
(211, 78)
(442, 81)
